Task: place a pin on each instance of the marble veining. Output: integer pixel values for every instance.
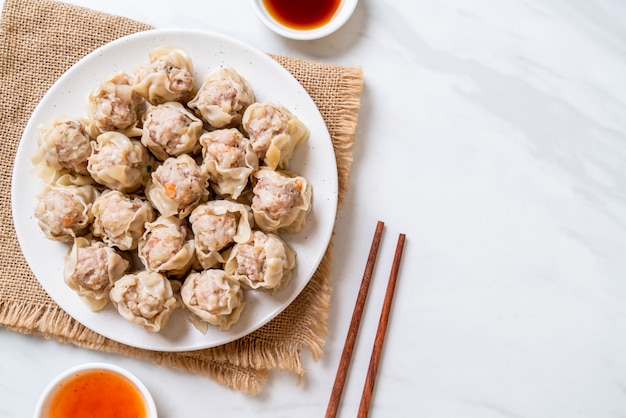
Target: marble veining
(494, 136)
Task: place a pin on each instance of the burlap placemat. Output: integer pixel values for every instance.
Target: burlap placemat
(39, 40)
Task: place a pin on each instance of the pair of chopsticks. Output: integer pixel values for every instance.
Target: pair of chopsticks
(346, 355)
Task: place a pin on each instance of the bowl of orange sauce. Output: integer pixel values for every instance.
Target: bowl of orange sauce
(96, 390)
(304, 19)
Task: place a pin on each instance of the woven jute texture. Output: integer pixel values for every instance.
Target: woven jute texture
(39, 41)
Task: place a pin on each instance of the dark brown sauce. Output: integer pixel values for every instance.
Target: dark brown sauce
(302, 14)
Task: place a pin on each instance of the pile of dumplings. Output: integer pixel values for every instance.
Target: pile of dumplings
(171, 194)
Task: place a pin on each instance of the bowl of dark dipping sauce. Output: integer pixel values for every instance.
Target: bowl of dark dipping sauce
(304, 19)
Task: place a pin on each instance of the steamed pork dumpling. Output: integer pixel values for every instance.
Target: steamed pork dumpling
(64, 212)
(222, 98)
(119, 219)
(170, 130)
(145, 298)
(229, 159)
(63, 148)
(167, 246)
(264, 262)
(167, 76)
(216, 226)
(212, 298)
(280, 200)
(114, 105)
(177, 186)
(274, 133)
(91, 268)
(119, 162)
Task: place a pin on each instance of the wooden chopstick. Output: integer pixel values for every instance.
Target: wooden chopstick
(372, 371)
(346, 355)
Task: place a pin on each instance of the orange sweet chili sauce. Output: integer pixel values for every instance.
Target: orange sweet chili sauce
(302, 14)
(97, 394)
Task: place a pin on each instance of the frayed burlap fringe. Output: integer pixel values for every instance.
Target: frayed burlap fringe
(261, 350)
(62, 34)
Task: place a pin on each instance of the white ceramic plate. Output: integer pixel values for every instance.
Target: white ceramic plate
(271, 82)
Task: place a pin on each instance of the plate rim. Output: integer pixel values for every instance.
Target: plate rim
(168, 33)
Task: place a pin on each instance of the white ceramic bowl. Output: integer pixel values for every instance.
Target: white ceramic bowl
(341, 16)
(53, 387)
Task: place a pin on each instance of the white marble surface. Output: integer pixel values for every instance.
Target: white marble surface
(494, 135)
